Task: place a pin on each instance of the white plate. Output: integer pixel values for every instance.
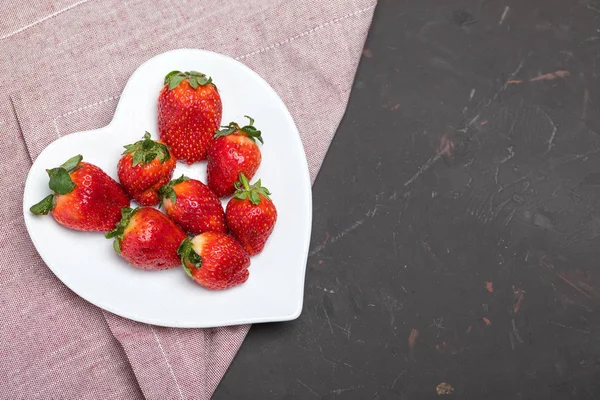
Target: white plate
(86, 262)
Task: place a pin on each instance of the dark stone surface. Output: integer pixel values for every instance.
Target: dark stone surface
(456, 233)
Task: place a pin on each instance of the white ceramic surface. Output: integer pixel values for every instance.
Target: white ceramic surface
(86, 262)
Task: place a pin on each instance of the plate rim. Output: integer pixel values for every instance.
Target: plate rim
(114, 121)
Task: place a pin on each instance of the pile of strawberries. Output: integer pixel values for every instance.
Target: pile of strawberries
(85, 198)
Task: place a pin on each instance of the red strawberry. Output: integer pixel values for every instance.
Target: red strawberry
(233, 152)
(192, 206)
(147, 238)
(251, 215)
(144, 168)
(189, 113)
(214, 260)
(85, 198)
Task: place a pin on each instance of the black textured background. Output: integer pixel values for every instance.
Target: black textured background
(456, 233)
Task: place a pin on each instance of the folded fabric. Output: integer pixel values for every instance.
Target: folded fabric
(65, 66)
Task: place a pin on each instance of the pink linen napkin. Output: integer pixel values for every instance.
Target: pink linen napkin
(65, 65)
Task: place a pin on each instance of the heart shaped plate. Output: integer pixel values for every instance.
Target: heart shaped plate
(86, 262)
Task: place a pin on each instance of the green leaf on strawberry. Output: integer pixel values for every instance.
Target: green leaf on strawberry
(71, 164)
(253, 192)
(249, 130)
(203, 80)
(195, 79)
(224, 132)
(167, 190)
(119, 231)
(169, 75)
(175, 81)
(44, 206)
(60, 183)
(146, 150)
(117, 246)
(188, 254)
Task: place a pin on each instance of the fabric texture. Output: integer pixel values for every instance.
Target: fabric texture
(64, 65)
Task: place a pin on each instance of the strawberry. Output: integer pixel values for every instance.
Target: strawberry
(251, 215)
(147, 238)
(214, 260)
(234, 151)
(189, 113)
(144, 168)
(85, 198)
(192, 205)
